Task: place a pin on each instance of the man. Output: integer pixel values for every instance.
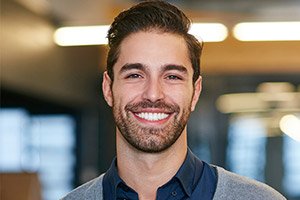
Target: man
(153, 83)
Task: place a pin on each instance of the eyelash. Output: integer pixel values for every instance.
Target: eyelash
(173, 77)
(169, 77)
(133, 76)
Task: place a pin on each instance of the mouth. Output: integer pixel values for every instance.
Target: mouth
(153, 117)
(157, 113)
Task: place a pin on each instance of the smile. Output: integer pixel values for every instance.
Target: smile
(152, 116)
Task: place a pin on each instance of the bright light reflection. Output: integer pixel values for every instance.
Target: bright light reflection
(290, 125)
(81, 35)
(96, 35)
(209, 32)
(267, 31)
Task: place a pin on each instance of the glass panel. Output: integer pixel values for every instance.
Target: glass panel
(246, 147)
(291, 159)
(13, 124)
(43, 144)
(53, 137)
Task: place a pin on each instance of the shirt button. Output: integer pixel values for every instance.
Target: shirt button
(174, 193)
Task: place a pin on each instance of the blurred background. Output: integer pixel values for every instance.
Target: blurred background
(56, 131)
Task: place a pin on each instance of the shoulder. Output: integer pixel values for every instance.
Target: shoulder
(91, 190)
(233, 186)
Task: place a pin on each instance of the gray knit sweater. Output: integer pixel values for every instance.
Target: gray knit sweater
(230, 186)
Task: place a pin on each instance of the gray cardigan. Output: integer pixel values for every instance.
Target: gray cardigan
(230, 186)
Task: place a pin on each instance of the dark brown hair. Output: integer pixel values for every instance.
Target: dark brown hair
(152, 15)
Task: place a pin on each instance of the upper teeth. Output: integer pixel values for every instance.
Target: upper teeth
(152, 116)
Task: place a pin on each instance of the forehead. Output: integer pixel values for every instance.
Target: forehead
(154, 49)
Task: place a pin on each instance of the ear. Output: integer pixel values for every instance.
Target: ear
(197, 92)
(107, 89)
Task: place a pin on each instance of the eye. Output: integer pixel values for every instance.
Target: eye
(173, 77)
(133, 76)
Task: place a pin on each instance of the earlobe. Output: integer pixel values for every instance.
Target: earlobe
(197, 92)
(107, 89)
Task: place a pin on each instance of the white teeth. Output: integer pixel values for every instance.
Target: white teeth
(152, 116)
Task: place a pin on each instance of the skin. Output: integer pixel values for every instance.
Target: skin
(152, 75)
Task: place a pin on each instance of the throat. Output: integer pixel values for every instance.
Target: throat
(146, 173)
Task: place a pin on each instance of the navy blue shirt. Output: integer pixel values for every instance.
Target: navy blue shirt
(195, 179)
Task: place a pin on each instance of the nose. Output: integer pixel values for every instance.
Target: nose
(153, 90)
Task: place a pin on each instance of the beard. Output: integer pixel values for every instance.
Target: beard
(151, 139)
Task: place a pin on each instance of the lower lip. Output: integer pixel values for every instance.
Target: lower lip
(154, 121)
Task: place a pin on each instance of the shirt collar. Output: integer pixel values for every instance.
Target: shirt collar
(113, 176)
(189, 173)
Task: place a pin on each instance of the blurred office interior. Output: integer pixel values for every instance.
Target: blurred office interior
(56, 128)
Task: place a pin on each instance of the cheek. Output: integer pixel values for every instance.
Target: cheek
(184, 92)
(124, 95)
(181, 97)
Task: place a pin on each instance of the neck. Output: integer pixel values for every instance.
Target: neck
(146, 172)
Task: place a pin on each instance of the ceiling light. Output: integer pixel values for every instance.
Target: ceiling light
(275, 87)
(267, 31)
(270, 96)
(81, 35)
(209, 32)
(96, 35)
(290, 125)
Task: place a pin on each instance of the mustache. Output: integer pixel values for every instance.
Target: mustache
(166, 107)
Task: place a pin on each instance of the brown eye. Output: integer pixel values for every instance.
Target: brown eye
(133, 76)
(173, 77)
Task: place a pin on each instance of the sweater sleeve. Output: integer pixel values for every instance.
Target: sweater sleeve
(232, 186)
(91, 190)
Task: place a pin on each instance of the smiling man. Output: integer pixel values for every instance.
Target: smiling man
(153, 83)
(153, 92)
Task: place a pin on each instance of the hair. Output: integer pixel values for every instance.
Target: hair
(147, 16)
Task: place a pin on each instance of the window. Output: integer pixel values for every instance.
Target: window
(246, 152)
(39, 143)
(291, 159)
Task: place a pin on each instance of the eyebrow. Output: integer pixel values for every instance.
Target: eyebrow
(130, 66)
(139, 66)
(180, 68)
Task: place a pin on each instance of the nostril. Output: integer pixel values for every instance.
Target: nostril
(154, 92)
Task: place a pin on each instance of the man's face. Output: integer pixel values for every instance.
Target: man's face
(152, 94)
